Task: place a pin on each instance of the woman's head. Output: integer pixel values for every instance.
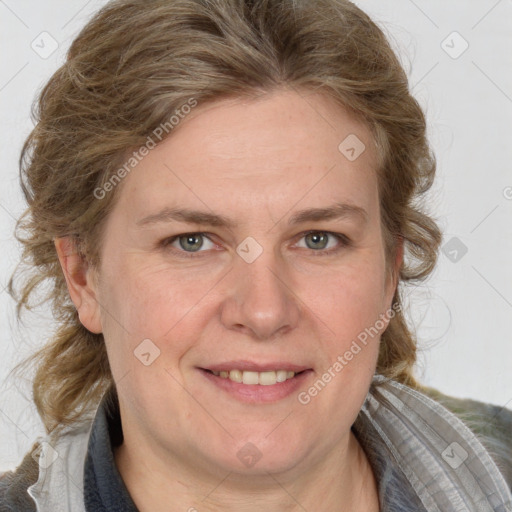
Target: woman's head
(253, 111)
(256, 295)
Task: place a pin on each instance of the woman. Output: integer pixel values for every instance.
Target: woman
(222, 194)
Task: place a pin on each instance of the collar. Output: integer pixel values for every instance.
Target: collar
(442, 459)
(104, 489)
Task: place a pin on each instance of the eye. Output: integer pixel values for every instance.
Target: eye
(188, 243)
(324, 242)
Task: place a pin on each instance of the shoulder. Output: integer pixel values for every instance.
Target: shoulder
(491, 424)
(14, 484)
(483, 418)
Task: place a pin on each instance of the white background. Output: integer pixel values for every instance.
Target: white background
(463, 314)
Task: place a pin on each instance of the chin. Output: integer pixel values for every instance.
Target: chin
(260, 454)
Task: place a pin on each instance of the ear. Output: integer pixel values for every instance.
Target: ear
(81, 284)
(394, 271)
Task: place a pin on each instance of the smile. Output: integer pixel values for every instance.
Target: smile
(268, 378)
(255, 387)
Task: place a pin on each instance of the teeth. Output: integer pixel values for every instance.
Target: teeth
(235, 375)
(251, 378)
(282, 375)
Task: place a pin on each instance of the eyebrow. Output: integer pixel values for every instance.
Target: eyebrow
(333, 212)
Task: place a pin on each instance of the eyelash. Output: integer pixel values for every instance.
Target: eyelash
(343, 240)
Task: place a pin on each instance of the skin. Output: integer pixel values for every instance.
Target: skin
(256, 161)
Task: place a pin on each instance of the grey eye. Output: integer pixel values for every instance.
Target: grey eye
(317, 240)
(192, 242)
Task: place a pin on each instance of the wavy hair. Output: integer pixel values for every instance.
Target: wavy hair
(128, 70)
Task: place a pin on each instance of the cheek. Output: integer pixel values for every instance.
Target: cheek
(155, 303)
(350, 299)
(149, 299)
(349, 307)
(148, 316)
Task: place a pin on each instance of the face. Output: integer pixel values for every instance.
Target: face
(251, 285)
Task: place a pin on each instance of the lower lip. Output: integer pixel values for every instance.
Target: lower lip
(256, 393)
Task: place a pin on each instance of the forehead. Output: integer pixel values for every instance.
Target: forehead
(266, 152)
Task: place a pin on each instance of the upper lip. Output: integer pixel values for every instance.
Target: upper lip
(251, 366)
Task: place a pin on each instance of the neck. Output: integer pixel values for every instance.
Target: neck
(341, 480)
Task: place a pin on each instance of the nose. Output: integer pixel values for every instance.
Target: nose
(258, 300)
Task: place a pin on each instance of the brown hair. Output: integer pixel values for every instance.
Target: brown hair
(132, 66)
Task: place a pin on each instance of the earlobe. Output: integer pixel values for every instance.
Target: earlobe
(80, 283)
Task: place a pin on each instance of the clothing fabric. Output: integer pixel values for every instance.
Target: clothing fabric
(429, 452)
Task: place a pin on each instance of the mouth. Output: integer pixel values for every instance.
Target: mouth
(258, 384)
(252, 378)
